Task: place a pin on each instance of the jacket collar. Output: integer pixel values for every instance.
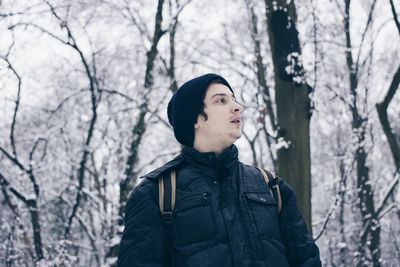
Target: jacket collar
(169, 165)
(224, 164)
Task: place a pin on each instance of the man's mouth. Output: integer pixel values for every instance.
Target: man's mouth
(236, 120)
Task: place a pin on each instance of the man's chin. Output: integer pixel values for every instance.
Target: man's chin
(236, 136)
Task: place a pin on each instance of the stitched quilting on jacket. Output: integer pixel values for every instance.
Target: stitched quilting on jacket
(224, 215)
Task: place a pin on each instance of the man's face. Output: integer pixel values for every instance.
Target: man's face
(222, 127)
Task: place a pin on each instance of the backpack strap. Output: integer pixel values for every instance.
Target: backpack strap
(167, 194)
(166, 198)
(273, 184)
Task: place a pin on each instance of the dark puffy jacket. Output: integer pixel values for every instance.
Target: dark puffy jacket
(224, 215)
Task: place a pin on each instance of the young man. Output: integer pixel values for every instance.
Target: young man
(225, 214)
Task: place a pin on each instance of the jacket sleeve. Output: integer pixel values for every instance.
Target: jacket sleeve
(301, 248)
(143, 237)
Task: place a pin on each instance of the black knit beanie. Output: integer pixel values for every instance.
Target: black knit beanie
(185, 105)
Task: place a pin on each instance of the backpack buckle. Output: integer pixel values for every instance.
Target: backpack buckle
(273, 183)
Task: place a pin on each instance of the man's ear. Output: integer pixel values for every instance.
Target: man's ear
(196, 124)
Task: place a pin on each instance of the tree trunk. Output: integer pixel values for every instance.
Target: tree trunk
(138, 130)
(37, 239)
(370, 233)
(343, 254)
(292, 101)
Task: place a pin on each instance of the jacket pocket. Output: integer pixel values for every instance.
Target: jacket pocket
(194, 221)
(263, 210)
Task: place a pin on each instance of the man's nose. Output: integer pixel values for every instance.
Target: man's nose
(237, 107)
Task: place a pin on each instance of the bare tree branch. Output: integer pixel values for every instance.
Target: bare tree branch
(340, 96)
(40, 139)
(4, 186)
(65, 100)
(17, 101)
(384, 120)
(13, 159)
(339, 197)
(5, 183)
(171, 68)
(162, 155)
(251, 142)
(367, 26)
(395, 16)
(95, 100)
(40, 28)
(31, 204)
(388, 194)
(260, 66)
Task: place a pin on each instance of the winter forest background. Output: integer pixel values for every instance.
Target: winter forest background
(84, 86)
